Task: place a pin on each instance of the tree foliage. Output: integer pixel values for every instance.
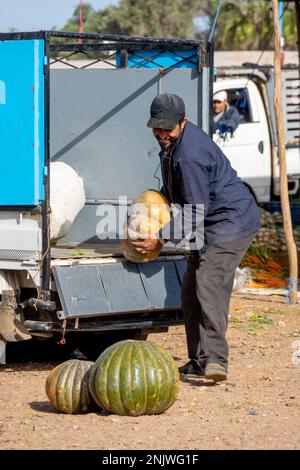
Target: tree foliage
(242, 24)
(247, 25)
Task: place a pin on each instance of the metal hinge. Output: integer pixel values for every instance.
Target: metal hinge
(203, 57)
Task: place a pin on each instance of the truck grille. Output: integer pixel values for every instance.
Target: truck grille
(18, 255)
(291, 106)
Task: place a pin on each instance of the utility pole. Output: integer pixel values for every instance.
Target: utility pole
(284, 195)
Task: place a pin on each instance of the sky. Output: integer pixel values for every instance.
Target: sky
(32, 15)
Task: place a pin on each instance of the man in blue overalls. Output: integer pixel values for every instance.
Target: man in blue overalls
(197, 173)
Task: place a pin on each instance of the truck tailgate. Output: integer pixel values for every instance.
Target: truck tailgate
(117, 286)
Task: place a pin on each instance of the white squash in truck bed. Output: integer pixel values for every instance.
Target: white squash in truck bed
(67, 198)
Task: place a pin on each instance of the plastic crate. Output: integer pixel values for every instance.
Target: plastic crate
(275, 206)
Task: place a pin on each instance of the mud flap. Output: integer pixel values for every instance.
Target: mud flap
(11, 327)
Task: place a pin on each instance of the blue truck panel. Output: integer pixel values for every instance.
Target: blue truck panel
(21, 122)
(181, 59)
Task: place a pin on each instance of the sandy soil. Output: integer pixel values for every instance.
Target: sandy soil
(258, 407)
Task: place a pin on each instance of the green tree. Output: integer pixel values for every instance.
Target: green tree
(242, 24)
(246, 25)
(72, 24)
(168, 18)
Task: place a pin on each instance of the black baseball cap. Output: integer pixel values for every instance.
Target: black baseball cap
(166, 111)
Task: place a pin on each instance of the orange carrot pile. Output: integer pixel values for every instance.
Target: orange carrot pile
(266, 272)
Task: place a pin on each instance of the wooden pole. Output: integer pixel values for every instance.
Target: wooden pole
(284, 195)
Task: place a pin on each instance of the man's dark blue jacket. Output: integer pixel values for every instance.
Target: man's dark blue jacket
(229, 120)
(199, 173)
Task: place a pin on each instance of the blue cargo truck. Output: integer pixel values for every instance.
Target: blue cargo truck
(91, 116)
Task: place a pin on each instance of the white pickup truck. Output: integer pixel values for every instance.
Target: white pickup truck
(252, 149)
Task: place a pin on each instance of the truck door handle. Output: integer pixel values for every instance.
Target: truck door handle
(261, 146)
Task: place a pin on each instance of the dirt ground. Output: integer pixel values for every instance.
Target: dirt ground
(258, 407)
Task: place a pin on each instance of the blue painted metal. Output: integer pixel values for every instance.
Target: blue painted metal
(153, 59)
(2, 92)
(181, 266)
(122, 287)
(211, 34)
(80, 291)
(21, 122)
(161, 284)
(281, 17)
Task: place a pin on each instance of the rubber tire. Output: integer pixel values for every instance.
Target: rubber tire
(91, 345)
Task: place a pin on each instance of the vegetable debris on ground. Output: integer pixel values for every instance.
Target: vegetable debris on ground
(264, 257)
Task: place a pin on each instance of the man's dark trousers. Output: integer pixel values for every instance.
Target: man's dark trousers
(206, 290)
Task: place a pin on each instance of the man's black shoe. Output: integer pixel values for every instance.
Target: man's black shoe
(191, 369)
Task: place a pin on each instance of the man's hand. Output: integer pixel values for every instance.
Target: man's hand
(145, 246)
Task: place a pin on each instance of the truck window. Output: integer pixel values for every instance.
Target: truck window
(238, 98)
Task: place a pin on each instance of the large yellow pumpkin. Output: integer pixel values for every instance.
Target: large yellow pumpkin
(149, 212)
(139, 226)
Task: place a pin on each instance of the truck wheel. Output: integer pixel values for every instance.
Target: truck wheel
(91, 345)
(39, 350)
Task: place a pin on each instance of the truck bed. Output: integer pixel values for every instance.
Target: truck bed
(99, 250)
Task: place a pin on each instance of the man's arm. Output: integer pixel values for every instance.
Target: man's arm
(193, 180)
(232, 118)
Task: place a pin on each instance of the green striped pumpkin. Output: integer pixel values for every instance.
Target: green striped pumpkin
(134, 378)
(67, 387)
